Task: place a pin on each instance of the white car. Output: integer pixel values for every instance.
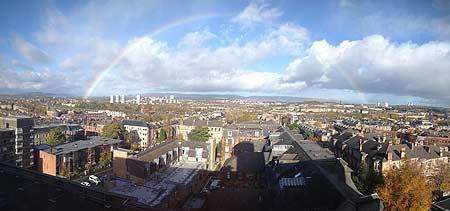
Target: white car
(94, 179)
(87, 184)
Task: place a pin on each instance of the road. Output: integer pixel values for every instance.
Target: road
(99, 174)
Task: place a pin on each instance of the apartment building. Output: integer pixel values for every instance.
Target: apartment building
(7, 146)
(140, 129)
(23, 129)
(68, 157)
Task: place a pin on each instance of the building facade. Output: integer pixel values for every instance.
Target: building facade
(140, 129)
(66, 158)
(23, 127)
(237, 133)
(7, 146)
(73, 132)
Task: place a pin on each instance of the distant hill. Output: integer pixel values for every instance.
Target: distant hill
(231, 97)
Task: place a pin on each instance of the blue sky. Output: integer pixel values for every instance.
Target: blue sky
(358, 51)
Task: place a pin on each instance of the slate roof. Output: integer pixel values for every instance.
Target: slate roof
(425, 152)
(202, 123)
(134, 123)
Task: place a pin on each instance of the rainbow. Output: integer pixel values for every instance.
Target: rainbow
(152, 33)
(172, 25)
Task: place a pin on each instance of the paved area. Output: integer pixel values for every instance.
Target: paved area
(152, 192)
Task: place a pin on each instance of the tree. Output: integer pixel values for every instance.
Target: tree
(88, 166)
(105, 159)
(317, 124)
(113, 130)
(162, 135)
(405, 189)
(133, 137)
(240, 116)
(368, 179)
(199, 134)
(294, 126)
(56, 136)
(440, 180)
(307, 134)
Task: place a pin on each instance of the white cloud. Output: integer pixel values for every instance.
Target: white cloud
(31, 52)
(205, 69)
(197, 38)
(30, 80)
(376, 65)
(257, 13)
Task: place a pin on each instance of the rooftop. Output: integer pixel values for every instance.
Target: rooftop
(93, 141)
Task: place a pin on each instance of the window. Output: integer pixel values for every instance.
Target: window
(230, 133)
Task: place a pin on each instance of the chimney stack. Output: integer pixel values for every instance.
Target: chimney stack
(403, 153)
(389, 155)
(360, 145)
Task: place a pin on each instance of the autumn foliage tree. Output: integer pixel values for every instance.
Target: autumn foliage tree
(199, 134)
(405, 188)
(440, 180)
(56, 137)
(114, 131)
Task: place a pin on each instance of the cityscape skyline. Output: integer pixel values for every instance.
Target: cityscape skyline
(361, 52)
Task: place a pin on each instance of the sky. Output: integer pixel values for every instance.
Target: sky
(356, 51)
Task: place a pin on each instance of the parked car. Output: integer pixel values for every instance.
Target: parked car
(94, 179)
(87, 184)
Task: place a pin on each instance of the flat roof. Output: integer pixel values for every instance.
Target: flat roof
(93, 141)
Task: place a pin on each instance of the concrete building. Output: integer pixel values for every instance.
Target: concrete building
(122, 99)
(111, 99)
(7, 146)
(138, 99)
(117, 98)
(68, 157)
(23, 127)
